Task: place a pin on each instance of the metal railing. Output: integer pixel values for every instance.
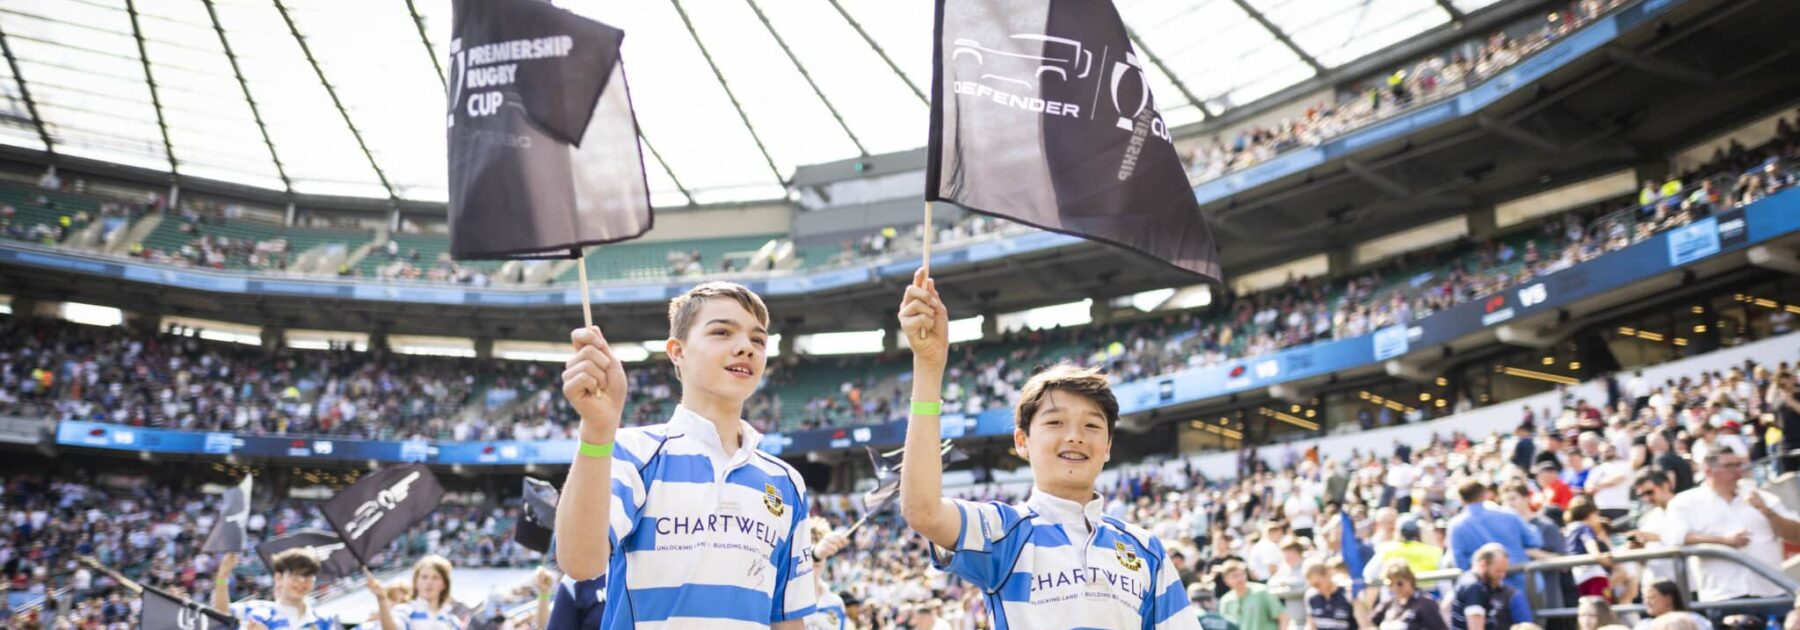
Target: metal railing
(1551, 567)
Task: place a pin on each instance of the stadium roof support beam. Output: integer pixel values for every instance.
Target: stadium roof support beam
(255, 112)
(1174, 79)
(1280, 35)
(25, 93)
(1387, 184)
(162, 123)
(419, 21)
(665, 166)
(1512, 132)
(745, 117)
(879, 52)
(1456, 15)
(761, 17)
(306, 49)
(1658, 66)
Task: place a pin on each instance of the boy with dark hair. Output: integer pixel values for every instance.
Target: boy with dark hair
(1054, 561)
(295, 571)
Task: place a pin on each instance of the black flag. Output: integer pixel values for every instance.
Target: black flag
(1040, 113)
(887, 474)
(161, 611)
(334, 558)
(379, 507)
(538, 518)
(544, 152)
(229, 534)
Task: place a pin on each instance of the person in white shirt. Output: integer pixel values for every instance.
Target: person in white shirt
(1264, 557)
(1722, 512)
(1301, 510)
(1658, 489)
(431, 607)
(1610, 483)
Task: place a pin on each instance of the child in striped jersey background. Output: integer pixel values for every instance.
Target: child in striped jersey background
(431, 607)
(1054, 561)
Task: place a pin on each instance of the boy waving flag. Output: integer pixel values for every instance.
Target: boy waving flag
(1055, 561)
(691, 525)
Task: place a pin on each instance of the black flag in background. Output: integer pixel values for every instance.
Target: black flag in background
(334, 558)
(1040, 113)
(544, 152)
(887, 474)
(381, 506)
(538, 519)
(160, 611)
(229, 533)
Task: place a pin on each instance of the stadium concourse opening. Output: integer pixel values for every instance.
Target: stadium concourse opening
(1498, 272)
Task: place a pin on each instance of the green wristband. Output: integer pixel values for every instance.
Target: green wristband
(595, 450)
(922, 408)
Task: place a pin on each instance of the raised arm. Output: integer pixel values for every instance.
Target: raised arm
(221, 594)
(926, 324)
(594, 383)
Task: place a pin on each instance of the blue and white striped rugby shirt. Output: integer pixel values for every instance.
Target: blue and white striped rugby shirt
(1053, 563)
(715, 542)
(278, 617)
(417, 615)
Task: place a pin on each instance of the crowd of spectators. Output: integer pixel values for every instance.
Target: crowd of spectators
(1655, 466)
(893, 240)
(151, 532)
(1421, 82)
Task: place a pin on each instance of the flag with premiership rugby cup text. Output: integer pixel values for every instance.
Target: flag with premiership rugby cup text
(381, 506)
(1041, 113)
(544, 154)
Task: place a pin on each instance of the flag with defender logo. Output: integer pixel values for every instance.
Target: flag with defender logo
(544, 155)
(334, 559)
(1041, 113)
(381, 506)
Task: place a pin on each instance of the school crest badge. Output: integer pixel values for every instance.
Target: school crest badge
(772, 500)
(1128, 558)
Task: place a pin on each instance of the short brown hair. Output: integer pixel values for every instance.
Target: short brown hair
(1471, 490)
(685, 307)
(1088, 383)
(299, 561)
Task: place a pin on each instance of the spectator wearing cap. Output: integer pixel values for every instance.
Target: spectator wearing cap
(1418, 555)
(1481, 523)
(1721, 511)
(1206, 607)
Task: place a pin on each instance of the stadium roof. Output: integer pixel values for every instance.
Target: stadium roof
(343, 97)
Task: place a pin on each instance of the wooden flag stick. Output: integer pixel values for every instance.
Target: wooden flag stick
(587, 310)
(927, 235)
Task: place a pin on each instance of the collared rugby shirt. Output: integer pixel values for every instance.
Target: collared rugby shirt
(278, 617)
(1053, 563)
(703, 540)
(417, 615)
(830, 615)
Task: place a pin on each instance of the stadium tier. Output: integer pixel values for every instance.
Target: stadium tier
(1278, 315)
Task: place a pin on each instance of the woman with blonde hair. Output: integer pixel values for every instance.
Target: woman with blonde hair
(431, 607)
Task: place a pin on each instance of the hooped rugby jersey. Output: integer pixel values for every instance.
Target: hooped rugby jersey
(278, 617)
(830, 614)
(1054, 563)
(417, 615)
(700, 539)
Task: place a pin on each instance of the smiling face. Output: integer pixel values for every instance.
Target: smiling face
(293, 586)
(724, 352)
(1067, 443)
